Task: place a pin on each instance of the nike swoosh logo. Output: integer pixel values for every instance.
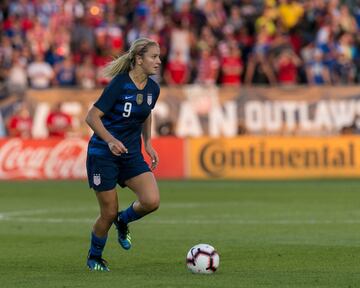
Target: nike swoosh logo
(128, 97)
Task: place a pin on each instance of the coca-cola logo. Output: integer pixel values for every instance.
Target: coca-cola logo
(37, 159)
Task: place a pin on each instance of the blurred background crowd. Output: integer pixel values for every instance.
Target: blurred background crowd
(66, 43)
(272, 42)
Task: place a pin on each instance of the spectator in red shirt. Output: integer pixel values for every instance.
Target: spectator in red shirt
(231, 66)
(286, 66)
(58, 122)
(176, 70)
(20, 124)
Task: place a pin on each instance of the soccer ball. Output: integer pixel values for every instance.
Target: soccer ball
(203, 259)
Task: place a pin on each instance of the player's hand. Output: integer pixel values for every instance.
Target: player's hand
(117, 147)
(153, 155)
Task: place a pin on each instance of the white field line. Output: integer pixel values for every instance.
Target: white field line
(27, 216)
(179, 205)
(183, 222)
(24, 212)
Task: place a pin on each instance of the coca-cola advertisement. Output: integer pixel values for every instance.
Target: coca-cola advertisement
(45, 159)
(65, 158)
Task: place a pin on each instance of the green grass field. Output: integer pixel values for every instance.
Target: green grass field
(268, 234)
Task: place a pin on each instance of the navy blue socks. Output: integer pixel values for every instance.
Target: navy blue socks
(128, 215)
(97, 245)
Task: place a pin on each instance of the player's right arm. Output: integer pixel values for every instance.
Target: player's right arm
(93, 119)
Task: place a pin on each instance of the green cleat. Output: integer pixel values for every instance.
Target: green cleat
(124, 237)
(97, 264)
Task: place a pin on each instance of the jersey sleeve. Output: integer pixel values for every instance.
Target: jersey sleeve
(108, 97)
(156, 95)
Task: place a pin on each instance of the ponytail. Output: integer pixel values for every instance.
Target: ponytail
(119, 65)
(126, 62)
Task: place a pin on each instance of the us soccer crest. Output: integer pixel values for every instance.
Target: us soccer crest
(97, 179)
(149, 99)
(139, 99)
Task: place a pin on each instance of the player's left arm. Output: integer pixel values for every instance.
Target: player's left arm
(146, 134)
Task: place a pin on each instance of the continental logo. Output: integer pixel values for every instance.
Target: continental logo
(216, 158)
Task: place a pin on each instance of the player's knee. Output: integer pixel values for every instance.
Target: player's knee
(109, 214)
(151, 205)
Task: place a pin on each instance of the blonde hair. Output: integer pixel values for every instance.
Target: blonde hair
(126, 62)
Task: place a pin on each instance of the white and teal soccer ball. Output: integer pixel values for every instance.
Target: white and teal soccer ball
(202, 259)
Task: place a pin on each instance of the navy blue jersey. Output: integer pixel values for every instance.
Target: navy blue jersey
(125, 109)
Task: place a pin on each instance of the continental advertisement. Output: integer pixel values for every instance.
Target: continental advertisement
(274, 157)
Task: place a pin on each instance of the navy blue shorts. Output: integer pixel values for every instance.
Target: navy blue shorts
(105, 172)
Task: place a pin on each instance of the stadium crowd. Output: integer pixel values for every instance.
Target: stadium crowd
(277, 42)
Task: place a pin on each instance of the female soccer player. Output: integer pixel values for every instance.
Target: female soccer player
(118, 118)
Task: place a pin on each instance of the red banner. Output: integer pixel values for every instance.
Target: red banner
(66, 158)
(172, 157)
